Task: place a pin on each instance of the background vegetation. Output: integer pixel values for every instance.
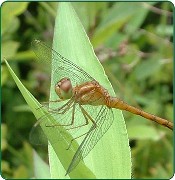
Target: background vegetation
(133, 41)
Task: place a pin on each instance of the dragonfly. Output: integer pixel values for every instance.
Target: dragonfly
(79, 93)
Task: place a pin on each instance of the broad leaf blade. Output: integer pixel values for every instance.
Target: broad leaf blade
(110, 158)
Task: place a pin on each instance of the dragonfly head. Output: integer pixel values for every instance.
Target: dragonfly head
(64, 88)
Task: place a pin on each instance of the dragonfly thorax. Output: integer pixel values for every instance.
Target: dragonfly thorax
(90, 93)
(64, 88)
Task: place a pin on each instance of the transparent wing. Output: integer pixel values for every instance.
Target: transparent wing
(104, 120)
(73, 113)
(64, 67)
(37, 136)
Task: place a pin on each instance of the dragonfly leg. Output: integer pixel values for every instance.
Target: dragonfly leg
(43, 103)
(73, 112)
(66, 106)
(55, 111)
(90, 118)
(86, 123)
(86, 116)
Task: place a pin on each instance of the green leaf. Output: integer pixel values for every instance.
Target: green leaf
(110, 158)
(89, 11)
(147, 68)
(138, 18)
(113, 21)
(9, 49)
(129, 15)
(9, 14)
(20, 172)
(41, 169)
(142, 132)
(163, 30)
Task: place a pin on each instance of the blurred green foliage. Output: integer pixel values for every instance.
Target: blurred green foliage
(133, 41)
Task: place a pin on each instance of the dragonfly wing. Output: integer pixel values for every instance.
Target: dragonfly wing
(37, 136)
(64, 67)
(103, 120)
